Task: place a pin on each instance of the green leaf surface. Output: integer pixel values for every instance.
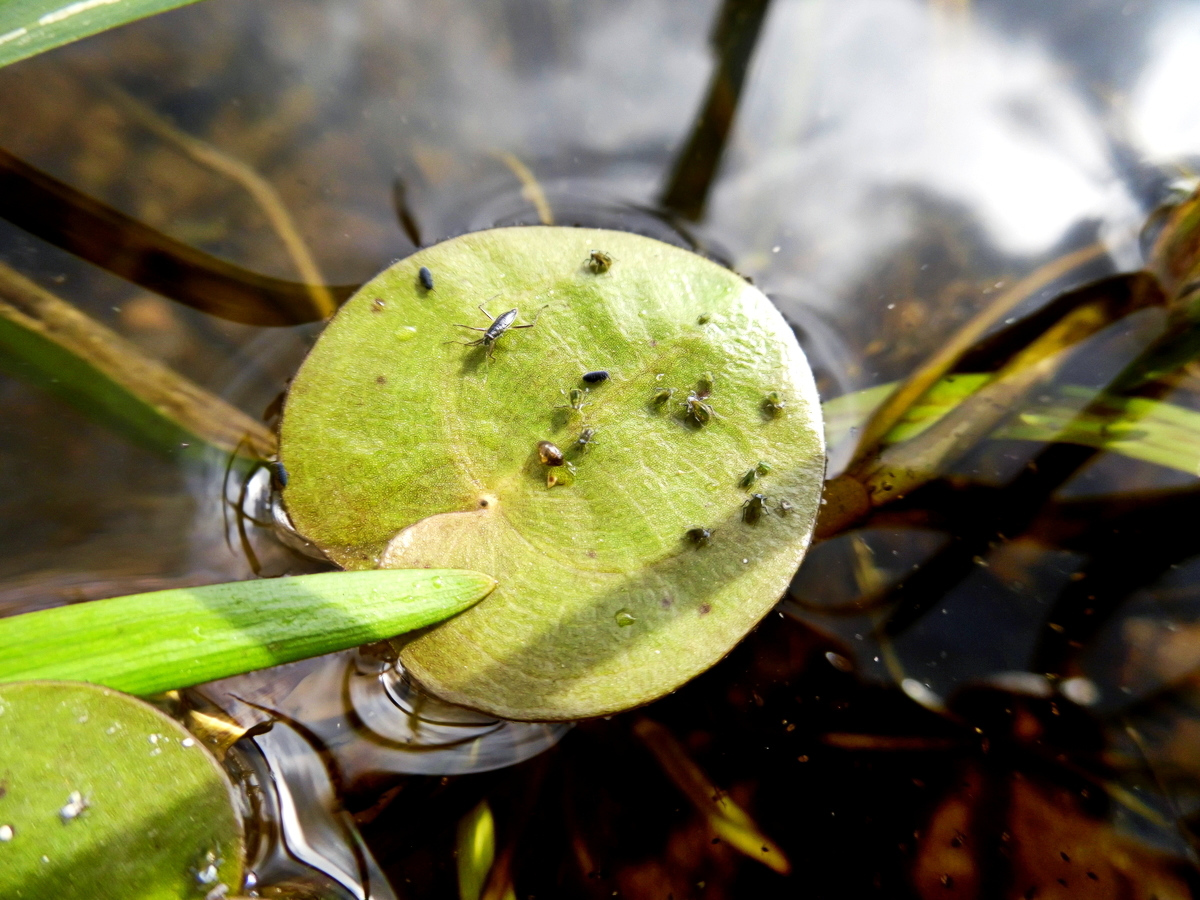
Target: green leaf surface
(406, 450)
(29, 27)
(148, 643)
(104, 796)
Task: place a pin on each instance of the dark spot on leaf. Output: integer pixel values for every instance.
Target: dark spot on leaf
(1064, 856)
(705, 609)
(379, 379)
(666, 602)
(1093, 876)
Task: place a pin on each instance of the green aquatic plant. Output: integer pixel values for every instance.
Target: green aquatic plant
(407, 449)
(149, 643)
(106, 796)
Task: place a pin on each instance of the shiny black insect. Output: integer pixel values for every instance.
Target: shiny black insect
(595, 377)
(753, 508)
(426, 278)
(279, 473)
(493, 332)
(699, 536)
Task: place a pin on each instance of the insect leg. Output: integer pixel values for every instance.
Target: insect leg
(534, 322)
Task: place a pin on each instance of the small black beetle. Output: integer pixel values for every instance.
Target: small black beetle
(426, 278)
(595, 377)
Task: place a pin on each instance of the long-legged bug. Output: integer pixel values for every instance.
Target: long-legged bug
(491, 334)
(586, 438)
(575, 400)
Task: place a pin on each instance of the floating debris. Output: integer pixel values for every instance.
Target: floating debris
(839, 662)
(426, 278)
(596, 377)
(6, 833)
(599, 262)
(784, 507)
(74, 807)
(549, 454)
(699, 535)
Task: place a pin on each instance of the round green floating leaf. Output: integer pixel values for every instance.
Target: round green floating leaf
(405, 450)
(101, 795)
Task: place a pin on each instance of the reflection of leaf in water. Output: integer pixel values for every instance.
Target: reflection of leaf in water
(728, 821)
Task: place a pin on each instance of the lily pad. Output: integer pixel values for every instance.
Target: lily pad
(408, 450)
(102, 795)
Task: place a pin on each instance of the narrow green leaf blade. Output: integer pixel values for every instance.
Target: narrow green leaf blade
(147, 643)
(29, 27)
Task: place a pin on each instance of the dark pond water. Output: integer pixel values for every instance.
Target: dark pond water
(892, 166)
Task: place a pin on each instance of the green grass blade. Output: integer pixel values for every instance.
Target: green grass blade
(1149, 430)
(148, 643)
(29, 27)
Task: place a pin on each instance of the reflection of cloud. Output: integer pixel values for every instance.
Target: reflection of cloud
(850, 101)
(1164, 113)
